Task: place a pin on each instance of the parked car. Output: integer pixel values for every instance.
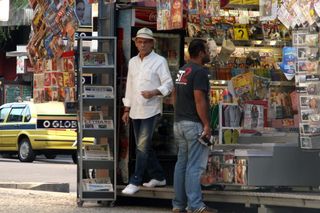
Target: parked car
(31, 129)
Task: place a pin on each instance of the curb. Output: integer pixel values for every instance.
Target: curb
(52, 187)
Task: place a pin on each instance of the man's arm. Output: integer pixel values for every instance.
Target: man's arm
(126, 100)
(203, 111)
(165, 79)
(166, 82)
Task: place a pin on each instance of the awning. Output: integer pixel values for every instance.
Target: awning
(16, 54)
(21, 50)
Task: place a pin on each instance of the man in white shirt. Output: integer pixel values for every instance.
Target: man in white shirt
(148, 80)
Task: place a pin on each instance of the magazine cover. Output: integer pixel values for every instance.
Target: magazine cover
(212, 8)
(97, 184)
(68, 64)
(92, 115)
(98, 151)
(71, 79)
(268, 9)
(61, 94)
(54, 79)
(47, 79)
(241, 171)
(243, 86)
(280, 104)
(83, 13)
(253, 116)
(260, 87)
(38, 95)
(164, 15)
(55, 94)
(98, 124)
(176, 14)
(66, 82)
(305, 142)
(38, 80)
(289, 60)
(47, 94)
(194, 25)
(69, 94)
(95, 59)
(91, 91)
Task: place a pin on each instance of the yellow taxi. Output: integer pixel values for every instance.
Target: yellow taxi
(31, 129)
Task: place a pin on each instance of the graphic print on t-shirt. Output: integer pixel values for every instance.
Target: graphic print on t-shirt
(182, 76)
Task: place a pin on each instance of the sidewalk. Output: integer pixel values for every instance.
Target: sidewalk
(31, 201)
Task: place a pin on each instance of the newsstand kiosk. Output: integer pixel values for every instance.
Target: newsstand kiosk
(266, 159)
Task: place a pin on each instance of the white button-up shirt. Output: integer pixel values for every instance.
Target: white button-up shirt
(148, 74)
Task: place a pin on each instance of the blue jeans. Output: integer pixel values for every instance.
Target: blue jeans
(192, 161)
(146, 159)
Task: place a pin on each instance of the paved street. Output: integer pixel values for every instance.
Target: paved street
(59, 170)
(30, 201)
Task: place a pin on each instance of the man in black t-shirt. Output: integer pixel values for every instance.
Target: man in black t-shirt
(191, 122)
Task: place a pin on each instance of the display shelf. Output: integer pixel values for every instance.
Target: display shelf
(251, 43)
(97, 101)
(88, 132)
(97, 164)
(221, 127)
(101, 69)
(254, 7)
(94, 195)
(97, 118)
(224, 127)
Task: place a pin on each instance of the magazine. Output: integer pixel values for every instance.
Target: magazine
(95, 59)
(92, 115)
(97, 184)
(98, 124)
(98, 151)
(98, 91)
(253, 116)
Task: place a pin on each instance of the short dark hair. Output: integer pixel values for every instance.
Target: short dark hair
(196, 46)
(79, 1)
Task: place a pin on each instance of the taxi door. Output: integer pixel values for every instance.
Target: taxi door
(13, 127)
(4, 111)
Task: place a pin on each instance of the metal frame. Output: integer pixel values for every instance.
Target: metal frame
(96, 164)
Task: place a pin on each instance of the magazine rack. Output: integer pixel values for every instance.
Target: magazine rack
(222, 127)
(257, 157)
(96, 173)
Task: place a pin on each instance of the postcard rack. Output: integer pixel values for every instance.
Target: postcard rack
(96, 172)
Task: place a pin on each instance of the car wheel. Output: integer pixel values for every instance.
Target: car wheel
(74, 158)
(50, 156)
(25, 152)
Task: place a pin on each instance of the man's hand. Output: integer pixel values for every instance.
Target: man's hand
(147, 94)
(125, 118)
(207, 131)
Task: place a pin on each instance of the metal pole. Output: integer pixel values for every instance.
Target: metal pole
(106, 16)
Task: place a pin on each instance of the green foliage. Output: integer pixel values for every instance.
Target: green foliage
(17, 4)
(4, 33)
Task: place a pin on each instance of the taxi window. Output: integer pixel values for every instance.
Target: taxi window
(3, 113)
(27, 114)
(15, 115)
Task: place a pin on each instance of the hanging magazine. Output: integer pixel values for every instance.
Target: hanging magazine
(253, 116)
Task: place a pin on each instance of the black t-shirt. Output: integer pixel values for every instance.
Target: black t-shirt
(189, 78)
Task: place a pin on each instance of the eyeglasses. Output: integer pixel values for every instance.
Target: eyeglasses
(146, 41)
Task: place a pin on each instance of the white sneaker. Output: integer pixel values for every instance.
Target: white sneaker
(153, 183)
(130, 189)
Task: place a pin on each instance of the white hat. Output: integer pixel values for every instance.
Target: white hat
(144, 33)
